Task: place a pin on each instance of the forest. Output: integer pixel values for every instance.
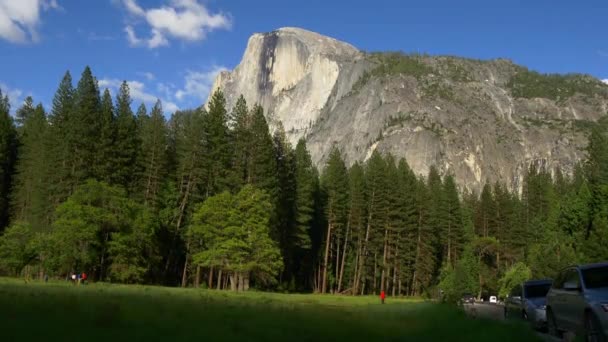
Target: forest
(212, 197)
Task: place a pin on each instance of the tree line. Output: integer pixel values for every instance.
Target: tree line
(213, 198)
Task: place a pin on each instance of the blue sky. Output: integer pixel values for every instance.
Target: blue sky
(171, 49)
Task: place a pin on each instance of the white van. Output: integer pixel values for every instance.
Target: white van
(493, 299)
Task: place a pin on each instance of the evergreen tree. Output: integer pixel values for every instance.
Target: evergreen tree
(60, 142)
(234, 231)
(240, 122)
(357, 219)
(8, 144)
(262, 163)
(285, 201)
(126, 144)
(438, 219)
(335, 187)
(30, 197)
(217, 143)
(425, 254)
(107, 148)
(153, 158)
(305, 179)
(377, 212)
(84, 131)
(452, 233)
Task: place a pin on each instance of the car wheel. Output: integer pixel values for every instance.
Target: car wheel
(551, 326)
(593, 330)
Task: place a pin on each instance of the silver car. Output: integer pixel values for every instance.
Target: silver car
(578, 302)
(527, 301)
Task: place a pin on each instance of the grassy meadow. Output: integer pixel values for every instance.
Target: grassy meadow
(59, 311)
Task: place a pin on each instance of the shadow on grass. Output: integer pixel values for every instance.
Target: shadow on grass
(109, 313)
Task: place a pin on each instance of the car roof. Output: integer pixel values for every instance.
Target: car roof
(596, 265)
(538, 282)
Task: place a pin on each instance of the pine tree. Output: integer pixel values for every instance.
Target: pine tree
(217, 143)
(438, 217)
(357, 220)
(409, 218)
(188, 135)
(425, 254)
(452, 234)
(153, 158)
(8, 144)
(126, 144)
(377, 212)
(262, 163)
(240, 124)
(84, 131)
(60, 142)
(285, 201)
(107, 148)
(305, 180)
(335, 186)
(30, 197)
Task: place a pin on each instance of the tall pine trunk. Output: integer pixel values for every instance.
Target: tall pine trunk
(384, 266)
(343, 259)
(328, 239)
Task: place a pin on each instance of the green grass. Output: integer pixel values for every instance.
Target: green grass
(103, 312)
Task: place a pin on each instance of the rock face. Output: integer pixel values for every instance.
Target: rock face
(479, 120)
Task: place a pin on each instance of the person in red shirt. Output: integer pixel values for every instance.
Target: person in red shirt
(382, 296)
(83, 277)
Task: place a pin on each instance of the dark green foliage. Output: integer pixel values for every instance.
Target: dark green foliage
(153, 135)
(530, 84)
(304, 204)
(334, 184)
(399, 63)
(61, 120)
(235, 237)
(219, 175)
(126, 144)
(261, 160)
(8, 146)
(30, 195)
(99, 230)
(84, 129)
(106, 165)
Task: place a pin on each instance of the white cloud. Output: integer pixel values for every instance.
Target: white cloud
(134, 8)
(183, 19)
(138, 93)
(147, 75)
(14, 95)
(131, 37)
(605, 80)
(198, 83)
(19, 19)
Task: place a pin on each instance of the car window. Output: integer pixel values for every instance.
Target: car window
(516, 291)
(596, 277)
(558, 283)
(572, 277)
(537, 290)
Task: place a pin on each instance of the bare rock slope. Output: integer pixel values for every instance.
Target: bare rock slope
(479, 120)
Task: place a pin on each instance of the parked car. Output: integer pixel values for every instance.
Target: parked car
(467, 298)
(493, 299)
(528, 301)
(578, 302)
